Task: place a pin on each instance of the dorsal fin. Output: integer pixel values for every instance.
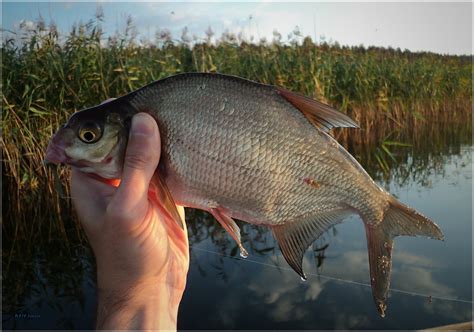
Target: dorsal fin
(294, 237)
(322, 116)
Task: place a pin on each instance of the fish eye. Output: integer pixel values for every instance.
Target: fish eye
(90, 132)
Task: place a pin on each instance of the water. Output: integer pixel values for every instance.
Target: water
(431, 280)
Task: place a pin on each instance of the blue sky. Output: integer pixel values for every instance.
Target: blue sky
(436, 27)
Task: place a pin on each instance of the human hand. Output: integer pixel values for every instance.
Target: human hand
(142, 256)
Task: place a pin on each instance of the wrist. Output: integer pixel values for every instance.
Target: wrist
(145, 305)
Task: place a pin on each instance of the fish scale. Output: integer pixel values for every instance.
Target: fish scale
(247, 134)
(254, 152)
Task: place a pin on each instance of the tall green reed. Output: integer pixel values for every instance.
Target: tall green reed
(48, 76)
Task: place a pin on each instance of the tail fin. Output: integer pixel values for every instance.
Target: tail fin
(399, 219)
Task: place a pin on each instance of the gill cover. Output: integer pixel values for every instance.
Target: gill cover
(94, 139)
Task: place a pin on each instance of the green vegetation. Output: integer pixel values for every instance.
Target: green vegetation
(395, 96)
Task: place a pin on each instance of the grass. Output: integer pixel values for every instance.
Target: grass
(392, 94)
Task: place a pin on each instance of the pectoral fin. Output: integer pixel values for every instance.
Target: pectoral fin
(295, 237)
(231, 227)
(167, 203)
(322, 116)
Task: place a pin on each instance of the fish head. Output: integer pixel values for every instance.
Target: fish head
(93, 140)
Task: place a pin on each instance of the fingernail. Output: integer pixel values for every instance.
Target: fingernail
(142, 125)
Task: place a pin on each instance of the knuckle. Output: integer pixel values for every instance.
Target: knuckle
(138, 161)
(141, 153)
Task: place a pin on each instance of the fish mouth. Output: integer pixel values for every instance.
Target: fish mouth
(55, 154)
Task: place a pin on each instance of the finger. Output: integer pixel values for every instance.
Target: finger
(178, 235)
(90, 196)
(141, 159)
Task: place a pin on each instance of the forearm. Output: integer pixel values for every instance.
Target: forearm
(138, 307)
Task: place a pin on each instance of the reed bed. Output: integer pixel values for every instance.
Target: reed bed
(48, 76)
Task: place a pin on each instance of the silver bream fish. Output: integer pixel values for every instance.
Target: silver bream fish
(259, 153)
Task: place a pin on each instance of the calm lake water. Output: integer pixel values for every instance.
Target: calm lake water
(431, 280)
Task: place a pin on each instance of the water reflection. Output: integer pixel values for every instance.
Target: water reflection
(53, 287)
(50, 283)
(319, 256)
(425, 291)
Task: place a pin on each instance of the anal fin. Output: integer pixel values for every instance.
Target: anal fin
(231, 227)
(294, 237)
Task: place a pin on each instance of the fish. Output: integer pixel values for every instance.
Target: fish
(244, 150)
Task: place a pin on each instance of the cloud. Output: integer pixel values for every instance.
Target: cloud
(287, 299)
(26, 25)
(410, 272)
(405, 258)
(420, 280)
(290, 298)
(417, 26)
(349, 265)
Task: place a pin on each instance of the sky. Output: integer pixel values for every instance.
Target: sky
(444, 28)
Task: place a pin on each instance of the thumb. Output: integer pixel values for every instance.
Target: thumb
(141, 159)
